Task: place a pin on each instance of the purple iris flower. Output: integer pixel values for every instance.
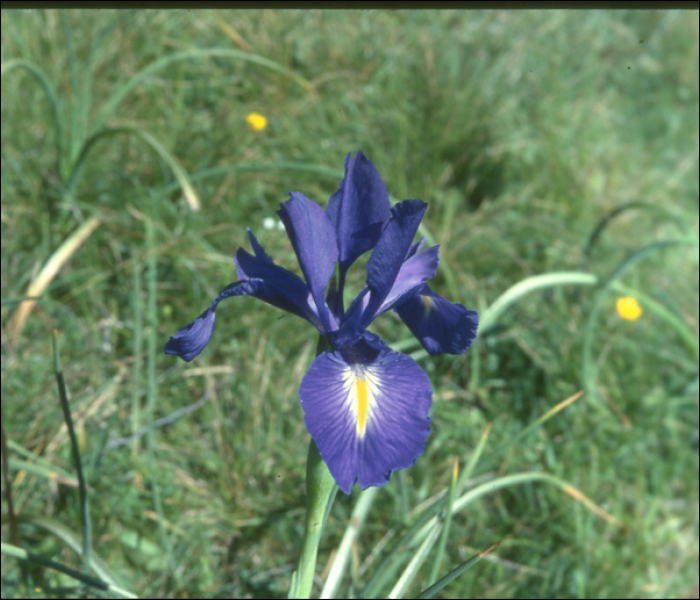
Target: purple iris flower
(365, 405)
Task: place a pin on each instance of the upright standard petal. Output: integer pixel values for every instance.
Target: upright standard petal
(366, 407)
(366, 307)
(358, 209)
(392, 248)
(313, 238)
(411, 277)
(439, 325)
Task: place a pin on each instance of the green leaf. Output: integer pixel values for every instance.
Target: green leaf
(452, 575)
(161, 63)
(178, 171)
(142, 552)
(74, 541)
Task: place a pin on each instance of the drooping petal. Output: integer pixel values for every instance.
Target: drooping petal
(313, 238)
(258, 250)
(358, 209)
(390, 252)
(439, 325)
(190, 340)
(366, 408)
(276, 285)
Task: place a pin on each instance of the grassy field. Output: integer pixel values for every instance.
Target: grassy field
(543, 142)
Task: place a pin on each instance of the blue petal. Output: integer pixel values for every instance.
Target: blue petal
(415, 248)
(410, 278)
(366, 408)
(363, 309)
(313, 238)
(189, 341)
(258, 250)
(276, 285)
(439, 325)
(391, 250)
(358, 209)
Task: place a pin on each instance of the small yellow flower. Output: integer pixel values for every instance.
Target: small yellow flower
(628, 308)
(256, 121)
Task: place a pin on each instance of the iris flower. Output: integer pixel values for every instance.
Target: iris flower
(365, 405)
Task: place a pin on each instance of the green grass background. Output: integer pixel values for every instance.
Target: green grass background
(522, 130)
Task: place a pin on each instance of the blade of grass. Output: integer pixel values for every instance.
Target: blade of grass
(529, 477)
(293, 585)
(534, 425)
(18, 300)
(588, 369)
(50, 92)
(684, 332)
(452, 575)
(179, 173)
(518, 479)
(617, 211)
(50, 472)
(152, 386)
(444, 534)
(392, 562)
(474, 458)
(428, 519)
(161, 63)
(415, 564)
(25, 555)
(204, 174)
(77, 117)
(137, 307)
(524, 287)
(45, 466)
(357, 519)
(73, 541)
(402, 550)
(642, 253)
(11, 517)
(49, 272)
(85, 523)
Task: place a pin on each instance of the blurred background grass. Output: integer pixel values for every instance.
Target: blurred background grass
(522, 130)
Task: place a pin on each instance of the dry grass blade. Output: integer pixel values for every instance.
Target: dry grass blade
(47, 274)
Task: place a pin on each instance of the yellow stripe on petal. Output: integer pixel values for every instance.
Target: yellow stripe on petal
(363, 390)
(427, 301)
(361, 406)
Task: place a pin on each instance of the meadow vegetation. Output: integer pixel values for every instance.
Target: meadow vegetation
(543, 142)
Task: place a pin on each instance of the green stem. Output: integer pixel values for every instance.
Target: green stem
(320, 490)
(320, 493)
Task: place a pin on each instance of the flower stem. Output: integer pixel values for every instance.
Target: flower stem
(320, 493)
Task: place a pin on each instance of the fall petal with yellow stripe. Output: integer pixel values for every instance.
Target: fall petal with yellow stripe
(366, 408)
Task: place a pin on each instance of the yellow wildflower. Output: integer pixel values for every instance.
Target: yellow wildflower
(256, 121)
(628, 308)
